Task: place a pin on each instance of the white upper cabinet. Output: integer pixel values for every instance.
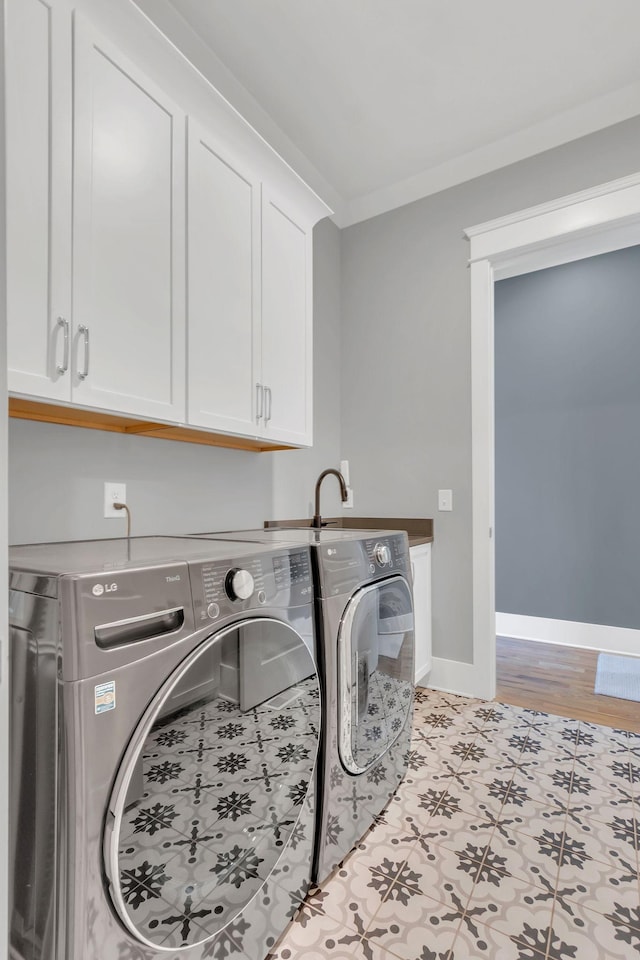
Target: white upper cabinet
(223, 274)
(128, 235)
(286, 374)
(249, 317)
(38, 119)
(153, 270)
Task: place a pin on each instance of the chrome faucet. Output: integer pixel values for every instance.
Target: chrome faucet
(317, 519)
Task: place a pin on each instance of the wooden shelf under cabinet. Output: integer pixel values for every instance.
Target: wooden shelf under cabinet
(93, 420)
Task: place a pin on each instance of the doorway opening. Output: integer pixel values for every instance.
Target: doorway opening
(595, 221)
(567, 468)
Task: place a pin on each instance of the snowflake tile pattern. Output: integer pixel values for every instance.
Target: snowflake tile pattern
(515, 835)
(387, 702)
(216, 797)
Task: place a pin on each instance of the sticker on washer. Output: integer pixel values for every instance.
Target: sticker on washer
(105, 696)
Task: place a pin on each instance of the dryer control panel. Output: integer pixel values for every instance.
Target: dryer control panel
(280, 579)
(344, 564)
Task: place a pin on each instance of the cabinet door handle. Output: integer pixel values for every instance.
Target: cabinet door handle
(64, 366)
(84, 330)
(259, 402)
(267, 415)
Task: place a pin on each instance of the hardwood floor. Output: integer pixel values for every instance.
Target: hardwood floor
(559, 680)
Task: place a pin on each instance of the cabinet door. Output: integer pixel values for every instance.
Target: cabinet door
(128, 234)
(223, 288)
(421, 571)
(38, 118)
(286, 324)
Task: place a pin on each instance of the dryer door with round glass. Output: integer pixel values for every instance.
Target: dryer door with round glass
(375, 666)
(208, 794)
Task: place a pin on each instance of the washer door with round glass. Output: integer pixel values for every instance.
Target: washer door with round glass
(208, 795)
(375, 667)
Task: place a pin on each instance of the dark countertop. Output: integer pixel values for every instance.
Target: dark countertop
(419, 529)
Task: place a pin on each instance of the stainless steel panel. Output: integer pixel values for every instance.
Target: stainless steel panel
(33, 782)
(73, 558)
(28, 582)
(347, 803)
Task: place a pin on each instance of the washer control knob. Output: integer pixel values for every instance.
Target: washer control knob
(382, 553)
(213, 611)
(239, 584)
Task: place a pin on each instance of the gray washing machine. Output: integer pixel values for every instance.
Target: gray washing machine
(365, 636)
(165, 723)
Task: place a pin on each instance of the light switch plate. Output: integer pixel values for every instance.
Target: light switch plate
(445, 500)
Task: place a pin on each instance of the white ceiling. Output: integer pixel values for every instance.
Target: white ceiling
(376, 102)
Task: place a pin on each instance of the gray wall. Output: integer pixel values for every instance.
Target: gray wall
(406, 391)
(56, 473)
(567, 347)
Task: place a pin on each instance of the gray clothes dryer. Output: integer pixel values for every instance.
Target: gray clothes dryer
(165, 724)
(365, 636)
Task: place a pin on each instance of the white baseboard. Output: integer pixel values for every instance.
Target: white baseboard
(453, 676)
(587, 636)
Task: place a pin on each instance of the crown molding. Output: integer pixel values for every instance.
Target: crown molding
(570, 125)
(165, 18)
(597, 114)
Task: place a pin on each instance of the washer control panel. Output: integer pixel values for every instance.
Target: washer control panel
(346, 564)
(382, 554)
(239, 584)
(224, 588)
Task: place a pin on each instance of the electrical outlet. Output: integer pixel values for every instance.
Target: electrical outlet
(114, 493)
(344, 470)
(348, 503)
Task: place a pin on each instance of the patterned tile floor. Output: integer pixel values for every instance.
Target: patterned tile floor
(514, 836)
(220, 795)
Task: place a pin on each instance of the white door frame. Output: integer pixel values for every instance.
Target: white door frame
(4, 535)
(584, 224)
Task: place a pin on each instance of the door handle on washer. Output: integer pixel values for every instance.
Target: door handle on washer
(84, 330)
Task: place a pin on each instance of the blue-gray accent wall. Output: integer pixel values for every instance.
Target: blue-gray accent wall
(567, 350)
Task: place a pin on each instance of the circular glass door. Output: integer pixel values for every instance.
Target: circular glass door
(208, 793)
(375, 671)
